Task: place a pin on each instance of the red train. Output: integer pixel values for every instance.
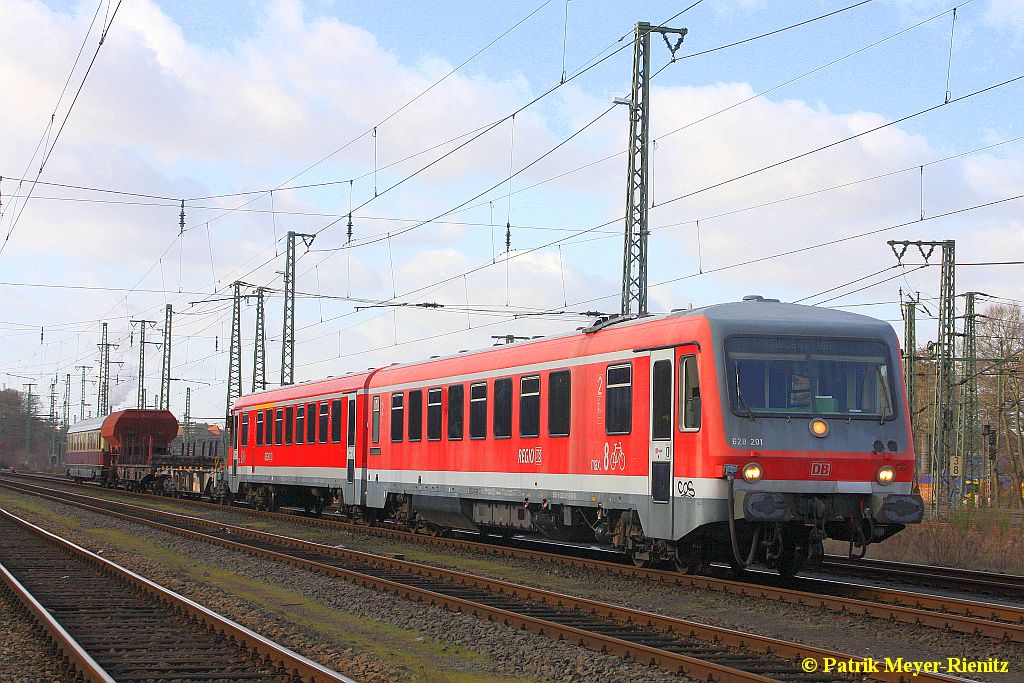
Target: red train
(746, 431)
(131, 449)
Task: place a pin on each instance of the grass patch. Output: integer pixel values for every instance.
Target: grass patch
(981, 539)
(424, 660)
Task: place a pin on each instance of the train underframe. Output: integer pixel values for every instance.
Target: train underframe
(785, 532)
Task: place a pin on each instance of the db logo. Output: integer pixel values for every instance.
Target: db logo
(821, 469)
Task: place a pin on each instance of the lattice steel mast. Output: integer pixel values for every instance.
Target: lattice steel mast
(103, 391)
(945, 418)
(83, 368)
(141, 403)
(634, 255)
(259, 354)
(288, 335)
(234, 357)
(165, 368)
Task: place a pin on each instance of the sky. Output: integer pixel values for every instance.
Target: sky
(789, 141)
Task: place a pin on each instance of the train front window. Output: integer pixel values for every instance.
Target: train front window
(803, 376)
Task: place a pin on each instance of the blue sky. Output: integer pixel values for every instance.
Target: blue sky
(194, 99)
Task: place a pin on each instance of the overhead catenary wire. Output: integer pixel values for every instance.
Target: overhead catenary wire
(53, 144)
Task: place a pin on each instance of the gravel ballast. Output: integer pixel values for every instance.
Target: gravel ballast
(855, 635)
(366, 634)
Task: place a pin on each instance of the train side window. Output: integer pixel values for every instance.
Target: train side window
(456, 408)
(321, 430)
(289, 425)
(351, 440)
(529, 406)
(397, 415)
(416, 415)
(689, 390)
(559, 403)
(661, 400)
(502, 408)
(310, 423)
(259, 427)
(278, 426)
(268, 427)
(336, 421)
(300, 424)
(478, 410)
(618, 418)
(244, 435)
(376, 419)
(434, 414)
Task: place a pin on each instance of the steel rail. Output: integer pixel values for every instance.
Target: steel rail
(1000, 622)
(888, 569)
(668, 660)
(299, 667)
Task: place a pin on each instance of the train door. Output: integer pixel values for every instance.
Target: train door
(352, 492)
(350, 439)
(662, 403)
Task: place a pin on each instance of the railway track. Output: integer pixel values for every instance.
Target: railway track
(992, 620)
(927, 575)
(111, 624)
(696, 650)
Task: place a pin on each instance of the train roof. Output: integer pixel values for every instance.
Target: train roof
(160, 423)
(91, 425)
(755, 314)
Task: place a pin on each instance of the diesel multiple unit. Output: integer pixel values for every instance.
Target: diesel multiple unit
(746, 431)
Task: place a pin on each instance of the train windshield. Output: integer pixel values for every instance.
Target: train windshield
(805, 376)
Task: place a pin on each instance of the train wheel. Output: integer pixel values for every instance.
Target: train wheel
(790, 561)
(739, 571)
(689, 558)
(641, 559)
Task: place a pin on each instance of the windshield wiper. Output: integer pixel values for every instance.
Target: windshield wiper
(739, 397)
(888, 410)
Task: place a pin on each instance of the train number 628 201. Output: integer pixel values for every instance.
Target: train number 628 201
(747, 441)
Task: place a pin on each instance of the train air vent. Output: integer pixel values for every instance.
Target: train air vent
(759, 298)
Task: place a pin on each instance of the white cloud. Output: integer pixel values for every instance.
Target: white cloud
(163, 115)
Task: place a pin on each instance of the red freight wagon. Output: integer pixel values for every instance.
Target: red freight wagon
(740, 431)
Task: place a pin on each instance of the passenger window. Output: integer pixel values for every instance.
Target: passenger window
(397, 415)
(434, 414)
(336, 421)
(268, 427)
(689, 399)
(529, 406)
(416, 415)
(289, 416)
(559, 403)
(376, 419)
(300, 424)
(502, 408)
(322, 427)
(661, 400)
(278, 426)
(618, 417)
(310, 423)
(478, 410)
(456, 407)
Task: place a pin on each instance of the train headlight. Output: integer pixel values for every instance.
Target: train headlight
(752, 473)
(886, 475)
(818, 427)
